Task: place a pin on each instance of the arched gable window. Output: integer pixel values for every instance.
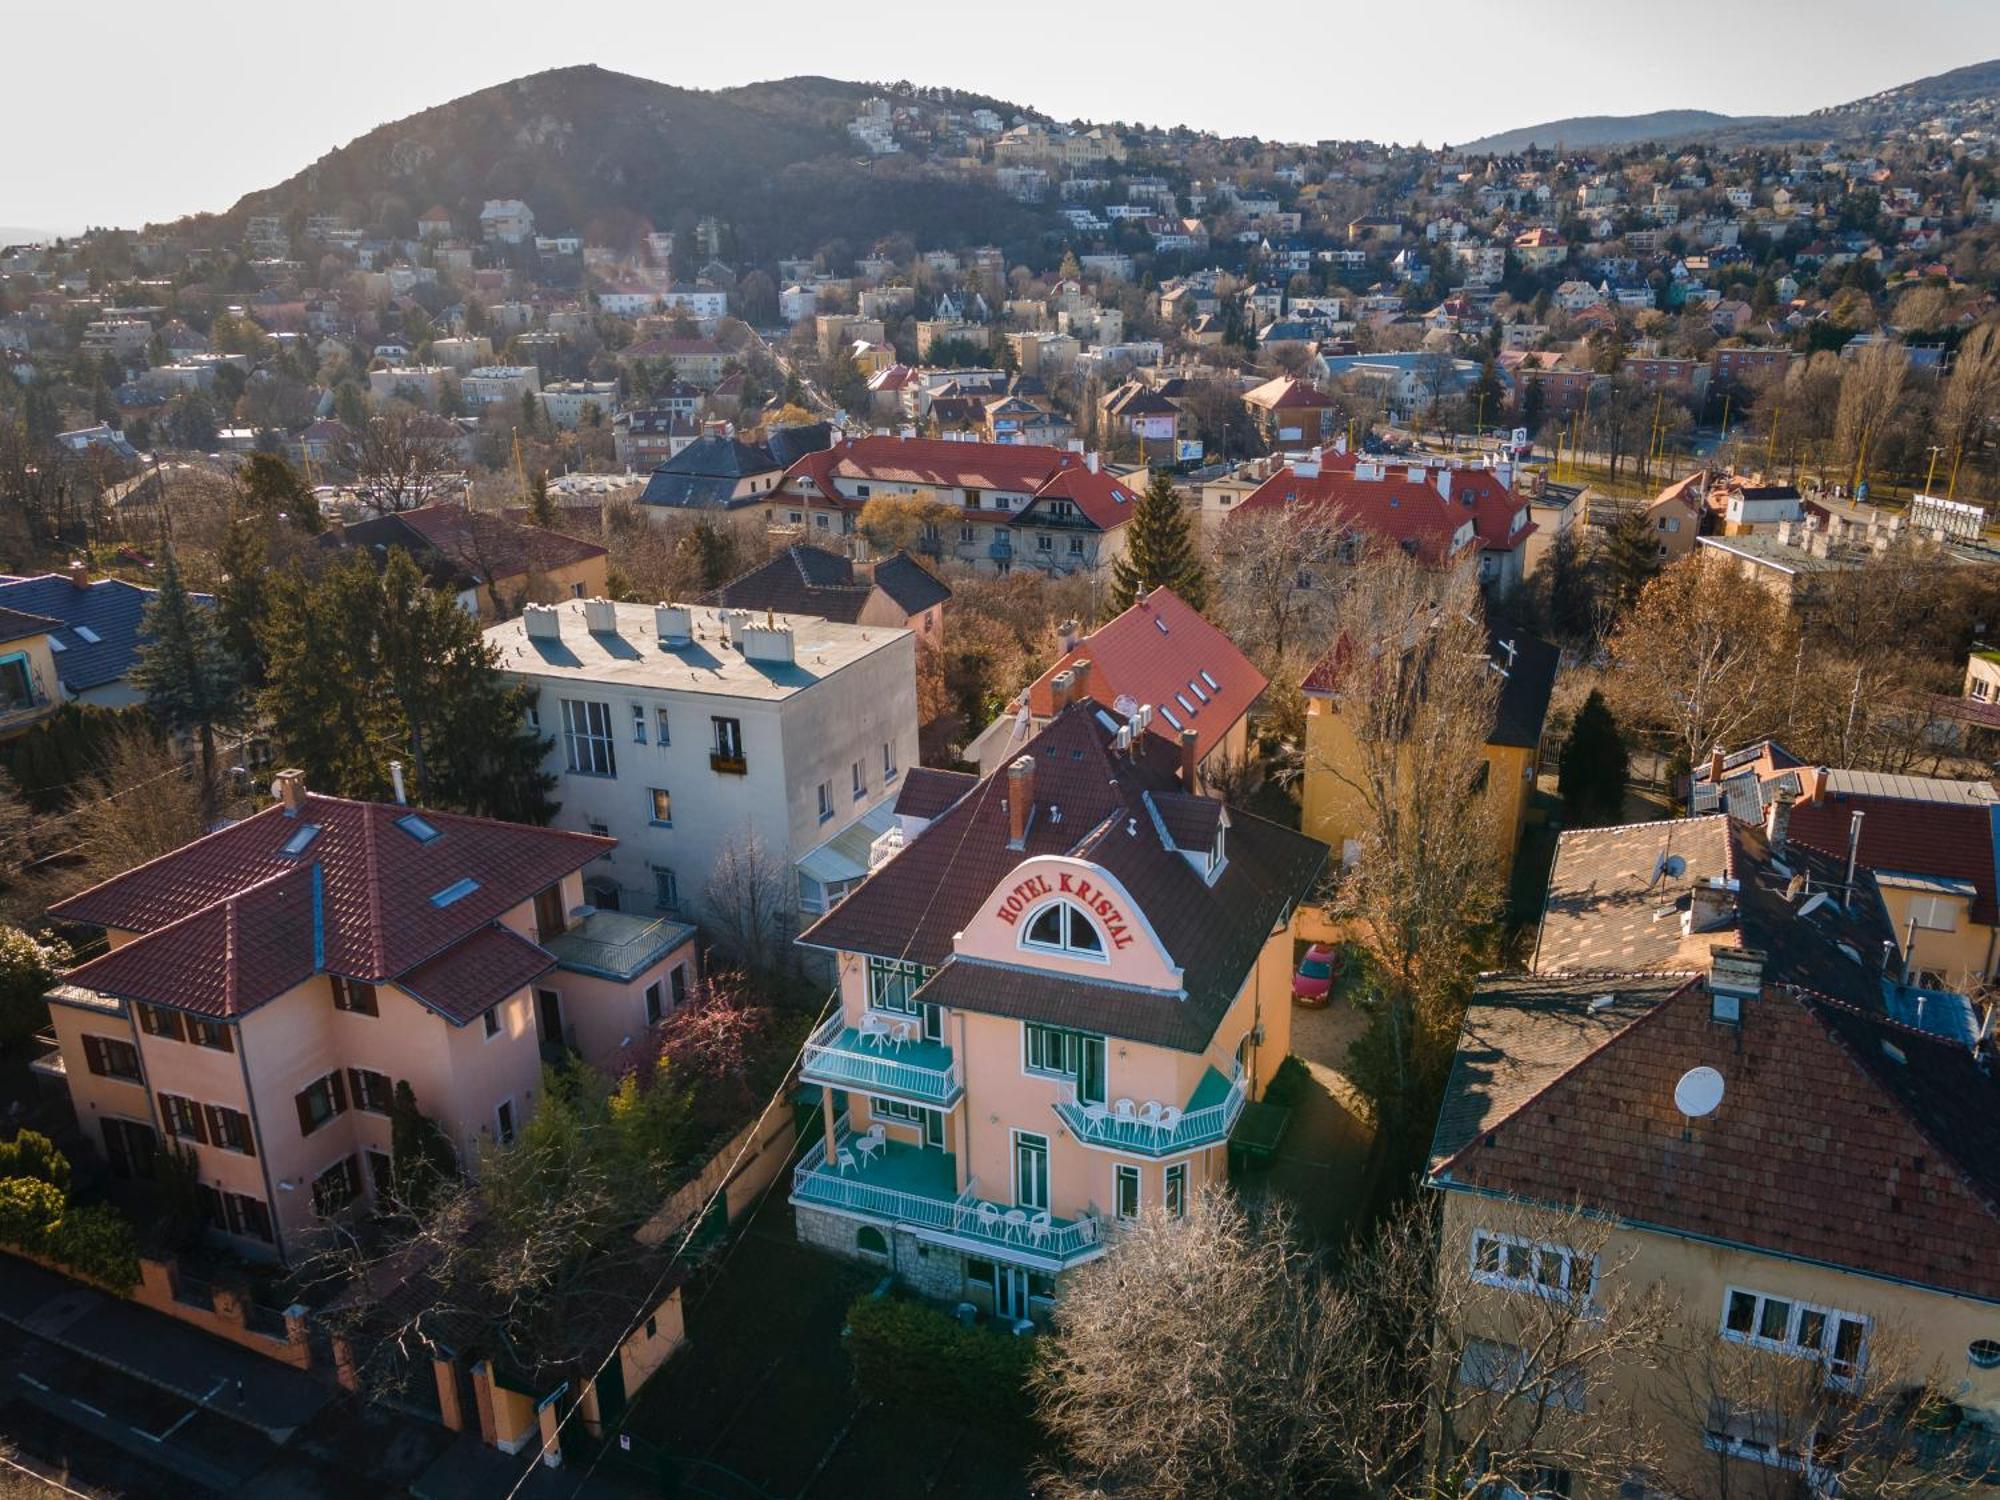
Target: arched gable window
(1062, 927)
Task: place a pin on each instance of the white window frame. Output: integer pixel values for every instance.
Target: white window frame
(1926, 909)
(1174, 1194)
(1533, 1282)
(653, 796)
(1126, 1173)
(638, 723)
(825, 794)
(1072, 913)
(889, 769)
(893, 983)
(587, 737)
(662, 726)
(1799, 1307)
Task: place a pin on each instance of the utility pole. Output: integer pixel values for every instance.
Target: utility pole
(1931, 474)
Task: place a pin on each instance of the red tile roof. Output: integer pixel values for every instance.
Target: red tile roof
(230, 921)
(477, 973)
(1131, 656)
(1034, 469)
(1911, 838)
(1397, 508)
(1827, 1146)
(1286, 394)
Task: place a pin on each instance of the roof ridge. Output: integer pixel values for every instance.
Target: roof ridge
(1622, 1032)
(225, 902)
(371, 873)
(58, 907)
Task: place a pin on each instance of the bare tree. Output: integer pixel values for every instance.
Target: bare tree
(401, 458)
(147, 801)
(1871, 393)
(749, 902)
(1216, 1355)
(1971, 396)
(1704, 657)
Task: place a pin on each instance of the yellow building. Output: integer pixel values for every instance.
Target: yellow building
(29, 689)
(1801, 1182)
(1059, 989)
(1334, 811)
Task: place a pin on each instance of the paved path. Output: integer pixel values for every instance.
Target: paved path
(219, 1376)
(1322, 1164)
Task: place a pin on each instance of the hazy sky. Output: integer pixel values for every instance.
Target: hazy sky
(157, 109)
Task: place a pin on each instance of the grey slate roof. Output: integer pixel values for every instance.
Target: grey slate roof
(109, 608)
(808, 580)
(1524, 695)
(705, 473)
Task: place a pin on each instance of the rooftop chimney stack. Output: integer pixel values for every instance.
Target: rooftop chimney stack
(289, 787)
(1059, 689)
(1020, 800)
(543, 622)
(1190, 760)
(600, 617)
(1778, 820)
(1734, 975)
(1716, 763)
(79, 573)
(396, 780)
(1080, 670)
(674, 623)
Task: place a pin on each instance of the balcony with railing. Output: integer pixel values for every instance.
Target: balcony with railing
(838, 1056)
(48, 1058)
(917, 1189)
(1153, 1129)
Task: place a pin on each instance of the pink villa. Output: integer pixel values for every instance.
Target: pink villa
(1057, 995)
(268, 987)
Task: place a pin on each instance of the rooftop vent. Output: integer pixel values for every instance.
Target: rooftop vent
(543, 622)
(600, 617)
(674, 624)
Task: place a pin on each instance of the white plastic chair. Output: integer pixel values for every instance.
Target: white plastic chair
(1017, 1223)
(845, 1162)
(1122, 1108)
(1169, 1120)
(1040, 1227)
(1149, 1113)
(988, 1219)
(878, 1133)
(1086, 1231)
(874, 1029)
(902, 1033)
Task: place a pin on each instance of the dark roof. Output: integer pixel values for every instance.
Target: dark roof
(808, 580)
(1615, 895)
(1524, 696)
(1832, 947)
(787, 445)
(927, 792)
(477, 973)
(231, 921)
(1091, 802)
(464, 546)
(1956, 840)
(1842, 1138)
(14, 624)
(109, 608)
(705, 473)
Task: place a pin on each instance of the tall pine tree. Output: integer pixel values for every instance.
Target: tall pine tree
(368, 666)
(1159, 549)
(1594, 765)
(185, 670)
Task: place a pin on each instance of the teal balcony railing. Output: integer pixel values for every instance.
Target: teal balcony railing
(838, 1056)
(1206, 1121)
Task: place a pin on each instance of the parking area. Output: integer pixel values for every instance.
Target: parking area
(764, 1330)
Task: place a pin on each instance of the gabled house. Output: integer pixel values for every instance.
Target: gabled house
(29, 688)
(93, 635)
(896, 591)
(493, 565)
(269, 987)
(717, 471)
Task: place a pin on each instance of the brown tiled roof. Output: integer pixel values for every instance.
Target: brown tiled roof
(927, 792)
(476, 973)
(1522, 1031)
(478, 545)
(1089, 802)
(1613, 902)
(808, 580)
(1841, 1138)
(230, 921)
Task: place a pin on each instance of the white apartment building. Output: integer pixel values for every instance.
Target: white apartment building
(565, 401)
(487, 385)
(686, 730)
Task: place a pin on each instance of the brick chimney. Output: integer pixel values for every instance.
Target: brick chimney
(79, 573)
(1778, 820)
(1059, 689)
(1020, 800)
(1715, 765)
(1190, 760)
(1080, 670)
(289, 787)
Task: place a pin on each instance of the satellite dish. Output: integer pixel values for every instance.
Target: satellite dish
(1698, 1092)
(1673, 867)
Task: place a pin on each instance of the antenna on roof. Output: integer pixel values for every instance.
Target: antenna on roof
(1696, 1096)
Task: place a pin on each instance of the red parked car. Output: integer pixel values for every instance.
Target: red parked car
(1318, 972)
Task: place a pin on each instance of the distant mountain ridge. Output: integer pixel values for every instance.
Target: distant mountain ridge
(1975, 87)
(595, 151)
(1603, 130)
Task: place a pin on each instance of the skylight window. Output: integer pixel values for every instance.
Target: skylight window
(1168, 714)
(1186, 707)
(1213, 685)
(55, 644)
(300, 841)
(417, 828)
(458, 890)
(88, 634)
(1195, 688)
(1160, 624)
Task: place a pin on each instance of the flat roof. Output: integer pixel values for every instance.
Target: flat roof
(705, 663)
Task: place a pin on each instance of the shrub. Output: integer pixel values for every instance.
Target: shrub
(971, 1374)
(95, 1241)
(32, 1154)
(29, 1209)
(1288, 1083)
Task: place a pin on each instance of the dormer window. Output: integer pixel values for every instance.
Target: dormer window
(1063, 928)
(1216, 854)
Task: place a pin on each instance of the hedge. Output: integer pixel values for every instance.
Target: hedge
(32, 1154)
(92, 1240)
(973, 1375)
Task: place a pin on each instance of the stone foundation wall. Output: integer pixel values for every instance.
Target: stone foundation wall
(928, 1270)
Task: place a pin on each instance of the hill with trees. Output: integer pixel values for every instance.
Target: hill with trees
(609, 155)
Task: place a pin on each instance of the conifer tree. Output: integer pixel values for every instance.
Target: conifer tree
(541, 504)
(1159, 549)
(1594, 765)
(365, 667)
(189, 677)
